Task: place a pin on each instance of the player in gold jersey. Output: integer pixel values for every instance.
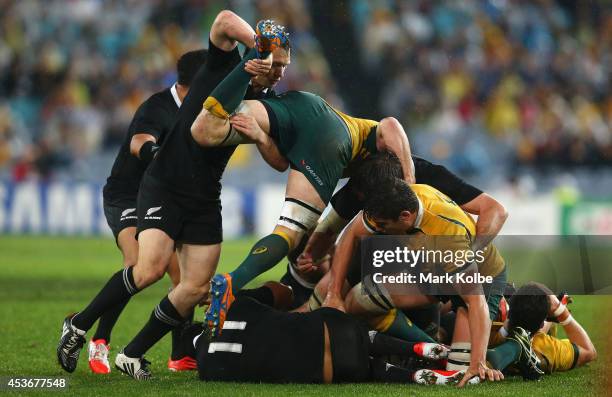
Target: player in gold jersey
(536, 309)
(436, 223)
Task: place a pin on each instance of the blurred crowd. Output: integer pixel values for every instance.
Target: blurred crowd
(476, 83)
(528, 80)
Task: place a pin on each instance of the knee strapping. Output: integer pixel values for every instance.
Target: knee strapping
(373, 297)
(298, 216)
(315, 301)
(233, 137)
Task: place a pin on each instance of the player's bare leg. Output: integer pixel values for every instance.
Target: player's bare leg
(198, 263)
(155, 249)
(302, 208)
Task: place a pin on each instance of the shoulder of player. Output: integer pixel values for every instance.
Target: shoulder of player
(439, 216)
(425, 190)
(165, 98)
(160, 100)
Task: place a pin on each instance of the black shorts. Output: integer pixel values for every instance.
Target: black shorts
(120, 214)
(184, 218)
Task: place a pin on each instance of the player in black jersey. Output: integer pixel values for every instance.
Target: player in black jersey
(178, 207)
(151, 122)
(262, 344)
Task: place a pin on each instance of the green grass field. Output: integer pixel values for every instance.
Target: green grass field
(42, 279)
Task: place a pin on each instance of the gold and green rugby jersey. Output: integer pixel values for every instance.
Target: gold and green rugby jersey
(442, 225)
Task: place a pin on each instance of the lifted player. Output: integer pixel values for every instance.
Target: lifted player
(178, 206)
(151, 122)
(262, 344)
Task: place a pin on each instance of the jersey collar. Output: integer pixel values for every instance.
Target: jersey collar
(175, 95)
(419, 218)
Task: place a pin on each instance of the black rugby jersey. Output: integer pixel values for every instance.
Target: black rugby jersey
(347, 204)
(155, 116)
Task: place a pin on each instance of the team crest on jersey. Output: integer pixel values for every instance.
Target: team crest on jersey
(260, 250)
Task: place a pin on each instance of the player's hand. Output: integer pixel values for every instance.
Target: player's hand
(258, 67)
(305, 263)
(483, 372)
(554, 305)
(247, 126)
(335, 302)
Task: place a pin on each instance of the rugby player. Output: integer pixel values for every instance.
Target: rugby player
(534, 308)
(262, 344)
(178, 207)
(151, 122)
(426, 214)
(318, 141)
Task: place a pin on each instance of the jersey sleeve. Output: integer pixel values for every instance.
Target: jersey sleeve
(151, 118)
(556, 354)
(445, 181)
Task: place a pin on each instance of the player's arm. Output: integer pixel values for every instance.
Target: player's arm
(144, 146)
(341, 261)
(574, 331)
(229, 29)
(491, 217)
(148, 124)
(247, 125)
(480, 326)
(344, 206)
(321, 242)
(390, 136)
(491, 213)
